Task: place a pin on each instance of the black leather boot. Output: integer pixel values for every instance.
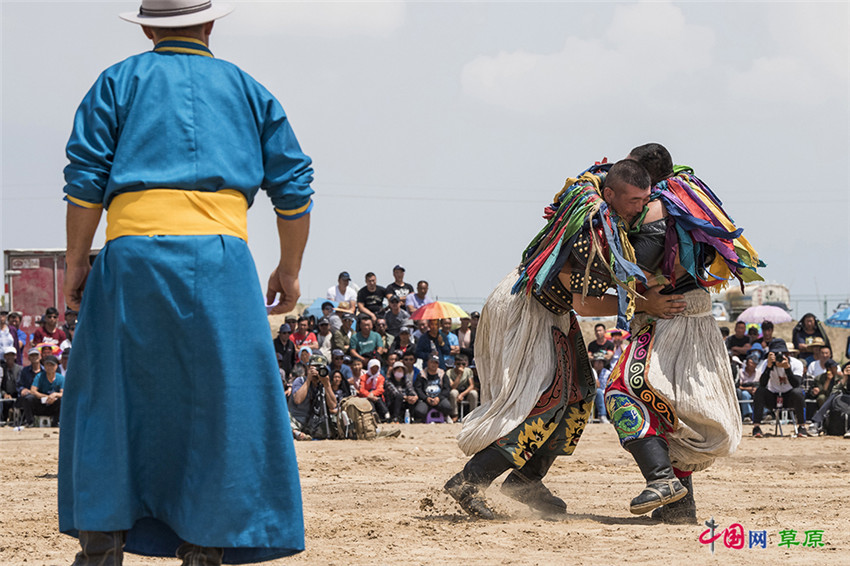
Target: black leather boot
(467, 487)
(682, 512)
(526, 486)
(100, 549)
(662, 486)
(194, 555)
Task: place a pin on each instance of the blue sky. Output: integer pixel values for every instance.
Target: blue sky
(440, 130)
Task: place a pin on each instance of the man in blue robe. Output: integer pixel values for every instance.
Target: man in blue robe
(179, 456)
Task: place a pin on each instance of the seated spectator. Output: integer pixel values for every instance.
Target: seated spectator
(420, 329)
(26, 379)
(617, 340)
(399, 393)
(841, 387)
(747, 381)
(395, 316)
(324, 338)
(365, 343)
(409, 361)
(405, 343)
(600, 373)
(418, 299)
(304, 355)
(370, 299)
(329, 313)
(357, 373)
(346, 307)
(753, 334)
(64, 359)
(341, 387)
(804, 334)
(338, 364)
(821, 356)
(432, 343)
(449, 338)
(387, 339)
(724, 332)
(342, 291)
(372, 388)
(391, 359)
(739, 343)
(601, 344)
(49, 331)
(341, 339)
(303, 336)
(825, 382)
(766, 336)
(10, 373)
(462, 385)
(285, 348)
(311, 402)
(464, 337)
(398, 288)
(14, 320)
(433, 389)
(46, 393)
(780, 375)
(8, 333)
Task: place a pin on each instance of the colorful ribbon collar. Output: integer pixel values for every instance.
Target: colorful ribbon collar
(185, 45)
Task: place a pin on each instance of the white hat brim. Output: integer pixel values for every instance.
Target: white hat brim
(213, 13)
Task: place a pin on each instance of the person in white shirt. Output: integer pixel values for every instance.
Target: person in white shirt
(780, 376)
(342, 291)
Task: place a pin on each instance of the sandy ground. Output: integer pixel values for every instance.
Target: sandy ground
(381, 502)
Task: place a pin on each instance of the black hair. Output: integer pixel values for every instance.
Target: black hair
(656, 160)
(629, 172)
(461, 359)
(766, 325)
(327, 304)
(370, 274)
(51, 310)
(598, 325)
(421, 282)
(740, 322)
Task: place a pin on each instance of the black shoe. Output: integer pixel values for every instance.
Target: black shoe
(681, 512)
(757, 433)
(534, 494)
(662, 486)
(469, 497)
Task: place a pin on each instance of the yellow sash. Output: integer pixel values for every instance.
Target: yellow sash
(173, 212)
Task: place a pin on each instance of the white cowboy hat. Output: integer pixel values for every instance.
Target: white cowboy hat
(176, 13)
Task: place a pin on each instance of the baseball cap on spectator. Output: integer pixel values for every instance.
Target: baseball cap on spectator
(3, 312)
(33, 351)
(399, 365)
(475, 314)
(344, 275)
(394, 299)
(434, 358)
(449, 363)
(778, 345)
(50, 360)
(346, 360)
(9, 350)
(404, 329)
(599, 356)
(373, 363)
(285, 328)
(348, 316)
(398, 267)
(337, 353)
(323, 320)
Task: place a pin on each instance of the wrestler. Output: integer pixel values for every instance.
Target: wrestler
(537, 387)
(671, 396)
(191, 456)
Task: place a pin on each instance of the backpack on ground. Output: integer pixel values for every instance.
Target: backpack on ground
(838, 417)
(356, 419)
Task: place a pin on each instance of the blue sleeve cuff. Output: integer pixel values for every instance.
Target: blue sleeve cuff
(293, 213)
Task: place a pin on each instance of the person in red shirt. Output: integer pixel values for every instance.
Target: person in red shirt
(49, 331)
(372, 388)
(303, 336)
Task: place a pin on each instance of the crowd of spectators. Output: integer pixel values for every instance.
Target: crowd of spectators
(32, 386)
(366, 344)
(770, 375)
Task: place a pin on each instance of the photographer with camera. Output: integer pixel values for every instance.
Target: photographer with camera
(781, 376)
(312, 399)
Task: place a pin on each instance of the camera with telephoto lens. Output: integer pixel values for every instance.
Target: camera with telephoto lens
(320, 363)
